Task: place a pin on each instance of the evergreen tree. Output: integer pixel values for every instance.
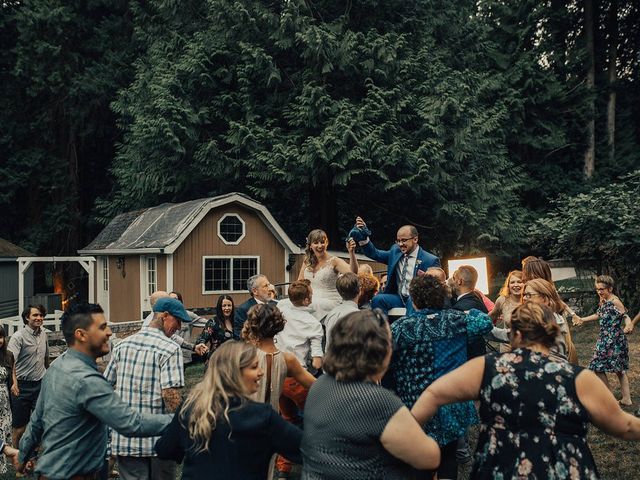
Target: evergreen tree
(61, 63)
(324, 111)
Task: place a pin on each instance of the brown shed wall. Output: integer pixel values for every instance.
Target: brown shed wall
(124, 292)
(204, 241)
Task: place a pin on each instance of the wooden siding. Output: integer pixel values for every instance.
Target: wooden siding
(124, 292)
(204, 241)
(161, 272)
(9, 280)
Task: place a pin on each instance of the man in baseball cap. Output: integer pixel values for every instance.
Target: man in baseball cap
(147, 370)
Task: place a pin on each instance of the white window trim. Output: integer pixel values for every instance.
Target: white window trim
(244, 229)
(146, 280)
(104, 262)
(214, 257)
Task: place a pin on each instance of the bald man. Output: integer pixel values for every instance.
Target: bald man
(405, 259)
(155, 296)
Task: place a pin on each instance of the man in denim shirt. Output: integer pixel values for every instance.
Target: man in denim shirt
(76, 404)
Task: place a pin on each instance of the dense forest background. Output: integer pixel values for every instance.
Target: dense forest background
(499, 126)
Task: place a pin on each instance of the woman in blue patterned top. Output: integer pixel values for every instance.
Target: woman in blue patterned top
(430, 343)
(535, 412)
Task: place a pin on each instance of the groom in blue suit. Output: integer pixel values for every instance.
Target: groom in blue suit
(404, 260)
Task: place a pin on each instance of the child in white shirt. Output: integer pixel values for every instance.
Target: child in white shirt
(302, 334)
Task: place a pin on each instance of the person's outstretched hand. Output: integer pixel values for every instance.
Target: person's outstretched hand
(360, 222)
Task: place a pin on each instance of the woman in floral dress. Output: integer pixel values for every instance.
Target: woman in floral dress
(218, 329)
(534, 411)
(7, 379)
(612, 350)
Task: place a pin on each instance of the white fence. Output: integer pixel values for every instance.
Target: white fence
(13, 324)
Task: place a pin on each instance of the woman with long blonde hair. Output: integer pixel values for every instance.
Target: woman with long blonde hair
(219, 423)
(322, 270)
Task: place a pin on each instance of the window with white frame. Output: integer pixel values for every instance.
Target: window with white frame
(152, 275)
(228, 274)
(105, 274)
(231, 229)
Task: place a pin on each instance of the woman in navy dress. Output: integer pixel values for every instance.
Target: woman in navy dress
(611, 353)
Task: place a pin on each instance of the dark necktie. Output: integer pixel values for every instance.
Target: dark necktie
(403, 275)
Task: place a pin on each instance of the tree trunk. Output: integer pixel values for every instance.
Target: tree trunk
(613, 59)
(590, 154)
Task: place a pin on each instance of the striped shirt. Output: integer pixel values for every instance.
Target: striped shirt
(141, 366)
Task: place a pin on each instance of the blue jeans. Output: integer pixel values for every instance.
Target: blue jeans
(387, 301)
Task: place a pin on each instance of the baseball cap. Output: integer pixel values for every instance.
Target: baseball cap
(173, 307)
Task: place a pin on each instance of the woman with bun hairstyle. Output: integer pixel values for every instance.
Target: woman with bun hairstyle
(611, 353)
(543, 292)
(264, 322)
(534, 411)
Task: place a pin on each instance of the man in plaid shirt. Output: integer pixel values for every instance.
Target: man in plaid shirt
(147, 371)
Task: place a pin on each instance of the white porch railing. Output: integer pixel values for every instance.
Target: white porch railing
(13, 324)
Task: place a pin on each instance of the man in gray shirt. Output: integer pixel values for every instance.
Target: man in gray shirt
(348, 286)
(31, 352)
(77, 404)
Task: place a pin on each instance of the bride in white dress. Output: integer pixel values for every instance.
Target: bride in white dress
(322, 270)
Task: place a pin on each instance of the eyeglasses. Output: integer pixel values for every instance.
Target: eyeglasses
(601, 289)
(402, 241)
(528, 295)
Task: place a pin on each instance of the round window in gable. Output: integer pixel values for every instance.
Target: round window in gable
(231, 229)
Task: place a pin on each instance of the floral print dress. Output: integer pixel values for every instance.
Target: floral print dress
(533, 425)
(612, 350)
(5, 412)
(214, 334)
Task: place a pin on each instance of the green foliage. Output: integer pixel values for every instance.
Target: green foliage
(61, 63)
(602, 226)
(314, 109)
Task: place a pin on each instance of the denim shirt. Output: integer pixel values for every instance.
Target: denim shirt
(75, 406)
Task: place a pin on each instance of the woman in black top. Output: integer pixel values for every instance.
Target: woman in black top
(219, 431)
(353, 427)
(218, 329)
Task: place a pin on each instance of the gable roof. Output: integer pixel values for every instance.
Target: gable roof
(163, 228)
(9, 250)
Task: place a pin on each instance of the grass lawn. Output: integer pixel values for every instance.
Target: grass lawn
(616, 459)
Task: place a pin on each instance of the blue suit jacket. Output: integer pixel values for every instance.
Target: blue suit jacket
(391, 258)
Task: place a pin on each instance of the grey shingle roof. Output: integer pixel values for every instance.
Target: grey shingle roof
(161, 226)
(9, 250)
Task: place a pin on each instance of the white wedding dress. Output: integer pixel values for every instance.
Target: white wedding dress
(325, 296)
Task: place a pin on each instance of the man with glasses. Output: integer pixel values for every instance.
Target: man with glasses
(405, 259)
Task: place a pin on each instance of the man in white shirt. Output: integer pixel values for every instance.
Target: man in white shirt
(348, 287)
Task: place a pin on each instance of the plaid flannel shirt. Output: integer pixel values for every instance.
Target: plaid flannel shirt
(141, 366)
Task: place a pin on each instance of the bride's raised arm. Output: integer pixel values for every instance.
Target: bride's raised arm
(341, 266)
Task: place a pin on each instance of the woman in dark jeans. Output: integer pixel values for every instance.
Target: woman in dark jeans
(219, 431)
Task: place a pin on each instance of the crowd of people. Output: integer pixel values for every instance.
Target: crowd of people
(325, 379)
